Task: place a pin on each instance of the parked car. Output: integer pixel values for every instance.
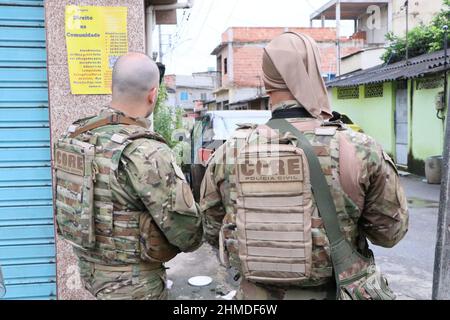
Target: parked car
(210, 132)
(2, 284)
(215, 127)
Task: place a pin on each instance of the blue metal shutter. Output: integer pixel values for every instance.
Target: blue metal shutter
(27, 239)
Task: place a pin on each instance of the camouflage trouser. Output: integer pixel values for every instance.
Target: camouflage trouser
(251, 291)
(142, 283)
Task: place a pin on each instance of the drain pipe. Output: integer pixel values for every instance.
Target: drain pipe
(151, 20)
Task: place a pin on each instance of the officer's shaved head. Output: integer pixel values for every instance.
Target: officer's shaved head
(135, 77)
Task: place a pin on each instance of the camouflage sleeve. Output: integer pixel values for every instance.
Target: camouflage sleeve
(160, 184)
(385, 215)
(211, 204)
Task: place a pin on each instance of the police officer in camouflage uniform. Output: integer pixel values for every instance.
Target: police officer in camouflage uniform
(364, 184)
(122, 201)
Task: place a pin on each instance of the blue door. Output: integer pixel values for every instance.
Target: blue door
(27, 239)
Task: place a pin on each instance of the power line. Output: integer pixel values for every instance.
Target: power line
(310, 5)
(232, 12)
(211, 4)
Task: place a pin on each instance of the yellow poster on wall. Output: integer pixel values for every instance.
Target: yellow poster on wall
(96, 37)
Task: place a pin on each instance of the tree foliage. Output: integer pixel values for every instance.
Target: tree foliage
(165, 119)
(422, 39)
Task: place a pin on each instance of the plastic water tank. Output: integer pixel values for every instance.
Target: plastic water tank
(433, 170)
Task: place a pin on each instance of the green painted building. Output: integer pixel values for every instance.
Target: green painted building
(401, 105)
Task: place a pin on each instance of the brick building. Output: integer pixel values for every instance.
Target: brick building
(239, 59)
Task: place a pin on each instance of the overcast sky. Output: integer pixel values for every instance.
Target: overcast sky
(199, 29)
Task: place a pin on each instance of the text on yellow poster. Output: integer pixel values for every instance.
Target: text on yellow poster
(96, 37)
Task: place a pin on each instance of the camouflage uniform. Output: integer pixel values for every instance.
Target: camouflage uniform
(151, 199)
(364, 184)
(183, 153)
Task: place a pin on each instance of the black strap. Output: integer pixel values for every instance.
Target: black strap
(292, 113)
(343, 255)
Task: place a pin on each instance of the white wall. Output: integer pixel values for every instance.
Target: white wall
(363, 60)
(421, 11)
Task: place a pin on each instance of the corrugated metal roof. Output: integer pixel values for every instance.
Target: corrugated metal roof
(415, 68)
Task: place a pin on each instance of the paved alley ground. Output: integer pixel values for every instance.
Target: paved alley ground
(408, 266)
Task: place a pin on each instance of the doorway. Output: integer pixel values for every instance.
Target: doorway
(401, 123)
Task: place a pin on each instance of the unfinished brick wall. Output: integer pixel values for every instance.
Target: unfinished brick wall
(247, 66)
(248, 44)
(251, 34)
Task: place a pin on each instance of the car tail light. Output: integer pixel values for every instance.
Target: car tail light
(204, 155)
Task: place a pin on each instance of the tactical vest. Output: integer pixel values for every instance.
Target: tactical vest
(276, 229)
(103, 229)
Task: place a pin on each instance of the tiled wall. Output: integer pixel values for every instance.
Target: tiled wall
(65, 108)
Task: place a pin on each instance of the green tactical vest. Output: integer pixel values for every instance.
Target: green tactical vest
(101, 228)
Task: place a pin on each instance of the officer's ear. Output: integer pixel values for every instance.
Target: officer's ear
(153, 96)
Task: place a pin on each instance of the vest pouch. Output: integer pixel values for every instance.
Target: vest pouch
(75, 174)
(154, 246)
(274, 209)
(368, 285)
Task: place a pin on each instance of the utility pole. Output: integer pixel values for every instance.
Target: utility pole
(161, 54)
(407, 31)
(338, 37)
(441, 280)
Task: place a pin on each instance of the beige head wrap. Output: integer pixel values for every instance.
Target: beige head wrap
(292, 62)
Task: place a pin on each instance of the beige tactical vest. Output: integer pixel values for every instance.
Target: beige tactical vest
(280, 238)
(102, 229)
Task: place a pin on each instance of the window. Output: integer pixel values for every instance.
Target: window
(184, 96)
(203, 96)
(430, 83)
(348, 93)
(225, 66)
(374, 90)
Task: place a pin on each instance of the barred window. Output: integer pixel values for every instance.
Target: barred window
(374, 90)
(348, 93)
(430, 83)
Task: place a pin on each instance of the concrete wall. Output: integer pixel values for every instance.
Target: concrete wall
(427, 131)
(377, 117)
(65, 108)
(194, 94)
(374, 115)
(362, 61)
(421, 11)
(375, 35)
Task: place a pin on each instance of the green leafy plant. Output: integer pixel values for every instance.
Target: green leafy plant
(421, 39)
(165, 119)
